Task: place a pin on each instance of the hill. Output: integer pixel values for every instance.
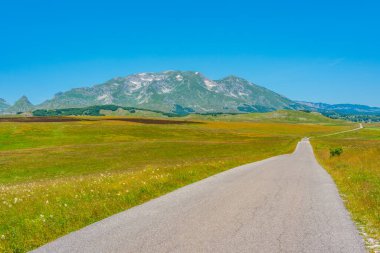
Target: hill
(281, 116)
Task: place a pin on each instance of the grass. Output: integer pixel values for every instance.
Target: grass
(282, 116)
(58, 177)
(276, 116)
(357, 174)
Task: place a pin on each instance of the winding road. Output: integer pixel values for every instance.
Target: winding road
(286, 203)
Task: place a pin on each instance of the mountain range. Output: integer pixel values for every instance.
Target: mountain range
(345, 109)
(181, 92)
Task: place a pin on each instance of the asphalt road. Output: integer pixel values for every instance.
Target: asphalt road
(284, 204)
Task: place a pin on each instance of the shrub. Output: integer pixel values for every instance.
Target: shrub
(336, 151)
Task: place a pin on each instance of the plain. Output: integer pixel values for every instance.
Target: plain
(61, 175)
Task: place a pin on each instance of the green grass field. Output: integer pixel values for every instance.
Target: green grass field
(277, 116)
(357, 175)
(272, 117)
(57, 177)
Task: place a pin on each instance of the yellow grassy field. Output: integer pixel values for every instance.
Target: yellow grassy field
(56, 177)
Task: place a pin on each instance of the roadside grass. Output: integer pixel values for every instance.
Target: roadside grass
(58, 177)
(357, 175)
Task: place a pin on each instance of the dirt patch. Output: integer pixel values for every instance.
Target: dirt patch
(155, 121)
(39, 119)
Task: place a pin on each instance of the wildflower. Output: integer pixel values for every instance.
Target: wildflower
(2, 237)
(65, 205)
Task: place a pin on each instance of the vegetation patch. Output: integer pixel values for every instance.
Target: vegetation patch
(336, 151)
(95, 111)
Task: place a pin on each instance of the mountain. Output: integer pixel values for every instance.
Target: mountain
(175, 91)
(21, 105)
(344, 109)
(3, 105)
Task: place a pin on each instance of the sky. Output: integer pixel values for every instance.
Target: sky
(320, 51)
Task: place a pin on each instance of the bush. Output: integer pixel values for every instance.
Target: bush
(336, 151)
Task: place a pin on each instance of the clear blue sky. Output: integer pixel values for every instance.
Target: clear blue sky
(326, 51)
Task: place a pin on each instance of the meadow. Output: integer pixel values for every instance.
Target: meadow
(357, 174)
(57, 177)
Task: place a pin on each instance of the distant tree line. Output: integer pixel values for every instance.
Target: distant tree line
(178, 111)
(92, 111)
